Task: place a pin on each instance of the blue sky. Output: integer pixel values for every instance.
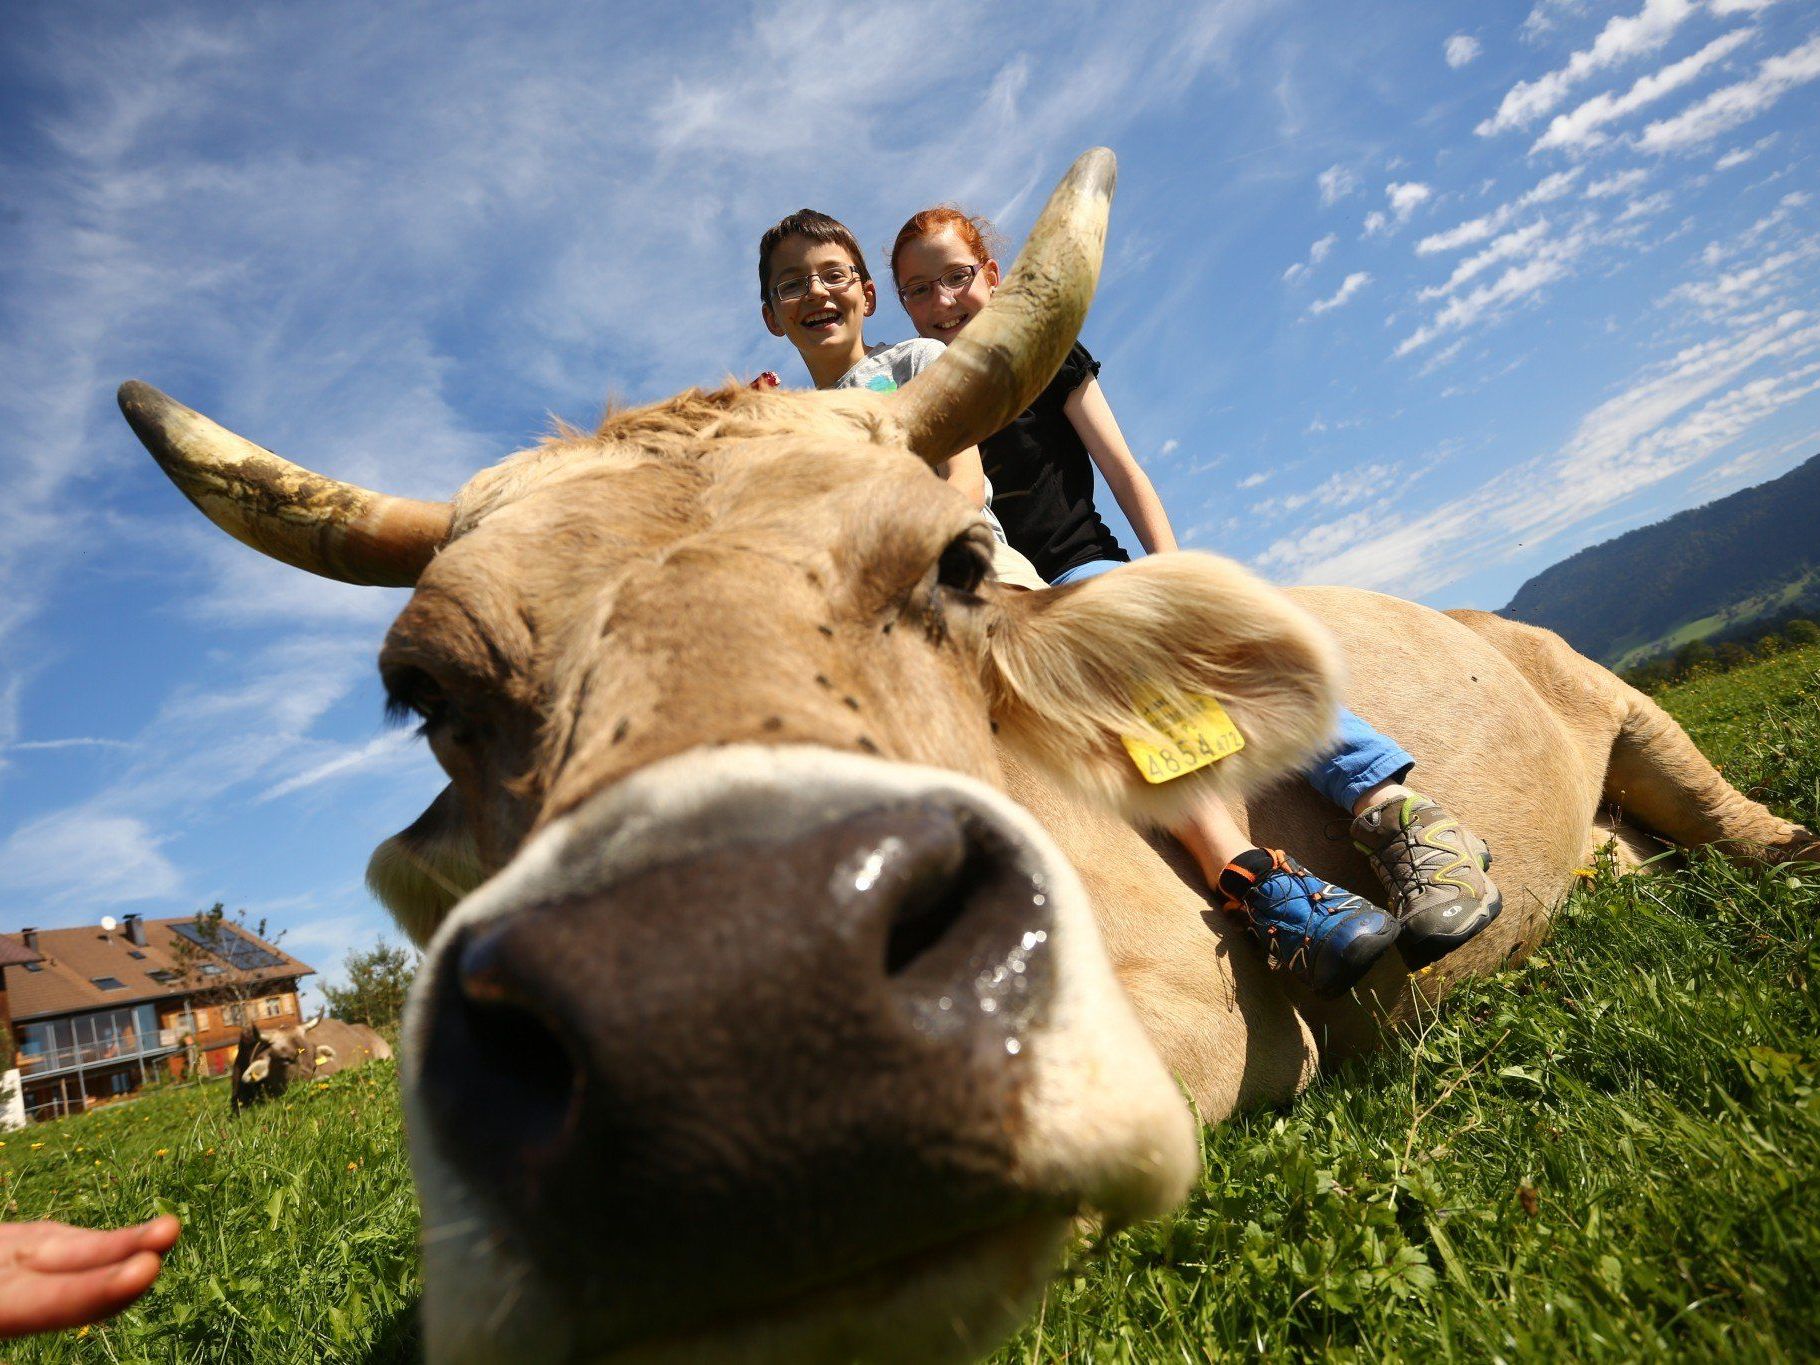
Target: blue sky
(1416, 297)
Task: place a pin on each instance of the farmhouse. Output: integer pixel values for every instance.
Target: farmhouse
(97, 1011)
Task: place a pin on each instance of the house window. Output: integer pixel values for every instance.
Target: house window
(135, 954)
(202, 1019)
(274, 1006)
(164, 976)
(233, 1014)
(121, 1081)
(34, 966)
(108, 983)
(210, 969)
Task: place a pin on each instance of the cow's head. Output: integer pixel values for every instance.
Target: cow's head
(757, 1022)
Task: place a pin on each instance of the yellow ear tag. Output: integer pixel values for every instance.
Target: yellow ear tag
(1198, 730)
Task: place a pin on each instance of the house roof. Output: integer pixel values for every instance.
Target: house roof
(74, 959)
(13, 952)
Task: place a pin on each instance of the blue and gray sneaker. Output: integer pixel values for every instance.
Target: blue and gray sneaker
(1307, 925)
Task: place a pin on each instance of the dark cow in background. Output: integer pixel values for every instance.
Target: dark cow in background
(267, 1063)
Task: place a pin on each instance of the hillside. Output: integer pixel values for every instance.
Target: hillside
(1750, 556)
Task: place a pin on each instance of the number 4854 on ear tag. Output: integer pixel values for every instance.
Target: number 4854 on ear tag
(1197, 728)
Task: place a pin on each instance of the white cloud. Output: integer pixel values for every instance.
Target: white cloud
(1620, 40)
(1622, 182)
(1168, 448)
(1726, 108)
(1406, 198)
(1744, 287)
(1664, 421)
(1317, 252)
(1645, 207)
(1726, 7)
(1335, 183)
(1545, 191)
(1579, 130)
(1349, 287)
(82, 859)
(1253, 480)
(1461, 49)
(1545, 16)
(1738, 156)
(1512, 244)
(380, 750)
(1551, 259)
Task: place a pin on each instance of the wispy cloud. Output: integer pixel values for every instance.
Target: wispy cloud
(1733, 105)
(1581, 130)
(1512, 244)
(1622, 39)
(1461, 49)
(1317, 253)
(1622, 182)
(1334, 184)
(1670, 417)
(1738, 156)
(1549, 259)
(1349, 287)
(1545, 191)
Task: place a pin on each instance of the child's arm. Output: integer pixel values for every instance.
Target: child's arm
(964, 471)
(1099, 431)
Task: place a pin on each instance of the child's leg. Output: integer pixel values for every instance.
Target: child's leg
(1307, 925)
(1434, 868)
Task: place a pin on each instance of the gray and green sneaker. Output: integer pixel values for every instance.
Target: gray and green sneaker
(1435, 871)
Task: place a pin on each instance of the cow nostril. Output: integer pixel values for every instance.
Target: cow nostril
(510, 1072)
(934, 896)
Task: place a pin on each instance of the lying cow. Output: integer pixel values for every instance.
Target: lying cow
(266, 1063)
(794, 977)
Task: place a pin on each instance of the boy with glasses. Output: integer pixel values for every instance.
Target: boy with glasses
(816, 293)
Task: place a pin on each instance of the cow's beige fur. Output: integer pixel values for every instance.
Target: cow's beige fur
(606, 585)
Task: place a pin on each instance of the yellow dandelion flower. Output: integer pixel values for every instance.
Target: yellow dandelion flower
(162, 1151)
(353, 1165)
(36, 1146)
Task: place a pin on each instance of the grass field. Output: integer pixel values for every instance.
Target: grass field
(1613, 1153)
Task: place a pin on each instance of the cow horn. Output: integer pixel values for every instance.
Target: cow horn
(281, 509)
(995, 368)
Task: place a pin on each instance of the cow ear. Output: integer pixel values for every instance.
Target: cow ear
(258, 1070)
(324, 1054)
(1072, 672)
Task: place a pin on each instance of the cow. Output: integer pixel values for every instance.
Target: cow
(265, 1063)
(796, 971)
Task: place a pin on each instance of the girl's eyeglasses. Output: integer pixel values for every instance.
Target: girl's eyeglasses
(953, 281)
(836, 279)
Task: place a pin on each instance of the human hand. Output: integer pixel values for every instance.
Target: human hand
(767, 380)
(53, 1275)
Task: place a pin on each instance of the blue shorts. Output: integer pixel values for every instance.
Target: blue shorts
(1361, 758)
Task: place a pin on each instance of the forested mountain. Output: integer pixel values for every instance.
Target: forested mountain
(1751, 556)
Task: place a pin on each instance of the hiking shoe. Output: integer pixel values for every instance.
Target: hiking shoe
(1435, 872)
(1307, 925)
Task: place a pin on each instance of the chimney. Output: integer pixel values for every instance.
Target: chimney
(31, 938)
(135, 930)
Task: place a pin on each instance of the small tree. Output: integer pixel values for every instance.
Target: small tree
(378, 981)
(1802, 632)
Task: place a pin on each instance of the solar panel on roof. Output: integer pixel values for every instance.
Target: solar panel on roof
(231, 946)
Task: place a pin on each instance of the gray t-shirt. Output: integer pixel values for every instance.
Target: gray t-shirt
(888, 368)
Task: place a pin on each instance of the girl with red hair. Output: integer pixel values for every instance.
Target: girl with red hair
(1040, 469)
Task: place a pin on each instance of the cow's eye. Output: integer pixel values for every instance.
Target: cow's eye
(966, 562)
(412, 692)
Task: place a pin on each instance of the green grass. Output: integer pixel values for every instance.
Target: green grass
(1612, 1153)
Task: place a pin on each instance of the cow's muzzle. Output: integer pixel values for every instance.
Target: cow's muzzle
(709, 1047)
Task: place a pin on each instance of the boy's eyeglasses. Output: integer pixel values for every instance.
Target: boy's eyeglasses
(836, 279)
(953, 281)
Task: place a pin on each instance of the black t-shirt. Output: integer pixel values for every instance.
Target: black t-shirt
(1042, 480)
